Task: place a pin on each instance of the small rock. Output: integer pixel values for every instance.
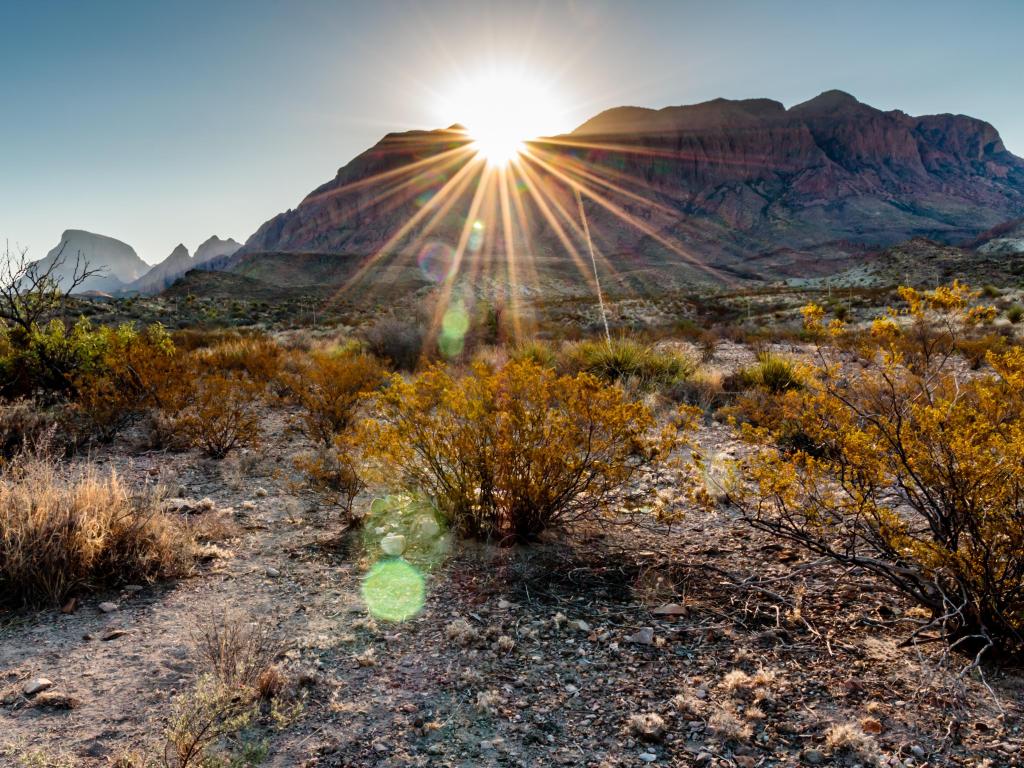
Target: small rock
(260, 493)
(643, 636)
(114, 634)
(132, 589)
(648, 757)
(393, 544)
(917, 750)
(504, 604)
(671, 609)
(582, 626)
(814, 757)
(703, 758)
(273, 573)
(36, 685)
(107, 607)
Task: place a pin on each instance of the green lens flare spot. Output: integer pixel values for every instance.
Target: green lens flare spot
(394, 590)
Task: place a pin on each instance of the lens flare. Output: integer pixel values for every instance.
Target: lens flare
(437, 261)
(393, 590)
(454, 327)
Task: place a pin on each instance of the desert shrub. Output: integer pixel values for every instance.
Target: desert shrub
(26, 427)
(705, 389)
(536, 352)
(1015, 313)
(328, 388)
(330, 470)
(221, 414)
(257, 357)
(912, 471)
(771, 373)
(976, 351)
(202, 722)
(237, 651)
(628, 361)
(509, 453)
(402, 343)
(60, 536)
(122, 381)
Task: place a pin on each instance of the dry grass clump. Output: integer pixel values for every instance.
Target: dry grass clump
(238, 652)
(727, 724)
(849, 737)
(63, 535)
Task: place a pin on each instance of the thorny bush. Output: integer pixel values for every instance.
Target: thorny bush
(912, 468)
(508, 453)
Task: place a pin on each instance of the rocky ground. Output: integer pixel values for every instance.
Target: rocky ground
(703, 643)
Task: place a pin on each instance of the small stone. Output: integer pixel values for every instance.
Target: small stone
(671, 609)
(260, 493)
(648, 757)
(643, 636)
(814, 757)
(273, 573)
(504, 605)
(393, 544)
(36, 685)
(582, 626)
(703, 758)
(107, 607)
(917, 750)
(132, 589)
(113, 634)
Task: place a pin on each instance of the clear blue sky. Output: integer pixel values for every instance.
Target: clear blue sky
(166, 122)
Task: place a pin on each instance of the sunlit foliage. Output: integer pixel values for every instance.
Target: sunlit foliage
(911, 466)
(508, 453)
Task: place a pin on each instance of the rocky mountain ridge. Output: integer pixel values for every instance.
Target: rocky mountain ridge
(726, 189)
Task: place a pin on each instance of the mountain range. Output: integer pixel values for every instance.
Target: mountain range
(715, 192)
(118, 268)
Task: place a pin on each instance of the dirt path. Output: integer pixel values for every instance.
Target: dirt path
(627, 648)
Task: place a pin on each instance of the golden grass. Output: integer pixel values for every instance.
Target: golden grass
(61, 536)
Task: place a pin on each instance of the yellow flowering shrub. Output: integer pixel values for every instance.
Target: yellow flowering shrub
(911, 468)
(508, 453)
(328, 387)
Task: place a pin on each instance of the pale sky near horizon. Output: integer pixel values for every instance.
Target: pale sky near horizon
(159, 123)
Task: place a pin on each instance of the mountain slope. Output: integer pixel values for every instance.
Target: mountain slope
(117, 261)
(719, 190)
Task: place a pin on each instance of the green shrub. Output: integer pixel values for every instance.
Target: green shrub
(771, 373)
(627, 361)
(1015, 313)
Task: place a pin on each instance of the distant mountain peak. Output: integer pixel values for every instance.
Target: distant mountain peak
(116, 262)
(827, 102)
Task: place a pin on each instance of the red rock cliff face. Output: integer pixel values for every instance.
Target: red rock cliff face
(730, 181)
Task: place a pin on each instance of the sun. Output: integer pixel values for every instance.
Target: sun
(502, 110)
